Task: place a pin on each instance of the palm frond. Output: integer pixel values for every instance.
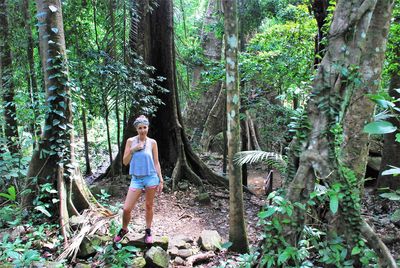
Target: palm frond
(249, 157)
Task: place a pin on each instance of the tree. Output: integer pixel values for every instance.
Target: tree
(6, 81)
(237, 228)
(355, 145)
(319, 160)
(54, 161)
(391, 146)
(198, 110)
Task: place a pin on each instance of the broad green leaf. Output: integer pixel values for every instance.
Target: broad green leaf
(379, 127)
(333, 203)
(266, 214)
(395, 216)
(391, 196)
(355, 251)
(398, 137)
(393, 171)
(43, 210)
(226, 245)
(11, 191)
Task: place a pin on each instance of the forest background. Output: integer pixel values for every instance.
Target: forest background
(319, 89)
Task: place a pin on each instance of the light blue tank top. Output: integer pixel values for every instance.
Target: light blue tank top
(142, 162)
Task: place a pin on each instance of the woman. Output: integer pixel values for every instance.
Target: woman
(141, 153)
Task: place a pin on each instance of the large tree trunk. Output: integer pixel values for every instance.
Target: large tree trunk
(152, 38)
(6, 82)
(331, 86)
(237, 228)
(54, 160)
(176, 154)
(355, 142)
(198, 110)
(391, 147)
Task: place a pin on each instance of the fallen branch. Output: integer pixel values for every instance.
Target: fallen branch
(385, 257)
(199, 257)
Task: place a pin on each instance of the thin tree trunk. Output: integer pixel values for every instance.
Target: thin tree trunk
(88, 170)
(6, 82)
(237, 228)
(32, 81)
(391, 147)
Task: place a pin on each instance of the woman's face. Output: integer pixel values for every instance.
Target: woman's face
(142, 129)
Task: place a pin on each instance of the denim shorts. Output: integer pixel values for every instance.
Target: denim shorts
(149, 181)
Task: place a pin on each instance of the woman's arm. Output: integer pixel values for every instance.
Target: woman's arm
(157, 165)
(128, 152)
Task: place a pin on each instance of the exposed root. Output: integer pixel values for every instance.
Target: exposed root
(385, 258)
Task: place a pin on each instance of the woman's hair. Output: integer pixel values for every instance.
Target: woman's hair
(141, 119)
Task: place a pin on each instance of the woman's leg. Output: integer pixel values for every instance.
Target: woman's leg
(150, 193)
(131, 199)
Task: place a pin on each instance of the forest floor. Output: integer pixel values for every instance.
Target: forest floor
(178, 213)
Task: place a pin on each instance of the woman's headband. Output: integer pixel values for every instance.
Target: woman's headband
(141, 120)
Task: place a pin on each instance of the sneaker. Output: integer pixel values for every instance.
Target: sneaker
(121, 234)
(148, 239)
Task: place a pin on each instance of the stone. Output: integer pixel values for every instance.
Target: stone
(17, 232)
(183, 186)
(82, 265)
(157, 257)
(179, 261)
(139, 262)
(203, 198)
(374, 162)
(210, 240)
(180, 241)
(138, 241)
(87, 247)
(76, 220)
(184, 253)
(46, 264)
(173, 252)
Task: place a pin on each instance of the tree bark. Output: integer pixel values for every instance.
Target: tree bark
(198, 110)
(237, 228)
(391, 147)
(359, 112)
(32, 81)
(6, 82)
(346, 46)
(320, 10)
(54, 160)
(213, 124)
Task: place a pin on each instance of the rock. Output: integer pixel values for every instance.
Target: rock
(180, 241)
(139, 262)
(86, 249)
(179, 261)
(374, 162)
(183, 186)
(203, 198)
(46, 264)
(210, 240)
(187, 245)
(157, 257)
(76, 220)
(173, 252)
(82, 265)
(184, 253)
(138, 241)
(17, 232)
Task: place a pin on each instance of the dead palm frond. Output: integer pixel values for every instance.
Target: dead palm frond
(272, 159)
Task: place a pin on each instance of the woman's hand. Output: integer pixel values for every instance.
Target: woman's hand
(138, 147)
(160, 186)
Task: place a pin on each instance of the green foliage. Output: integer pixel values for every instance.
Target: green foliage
(116, 255)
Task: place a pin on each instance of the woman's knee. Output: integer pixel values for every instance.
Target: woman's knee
(127, 209)
(149, 205)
